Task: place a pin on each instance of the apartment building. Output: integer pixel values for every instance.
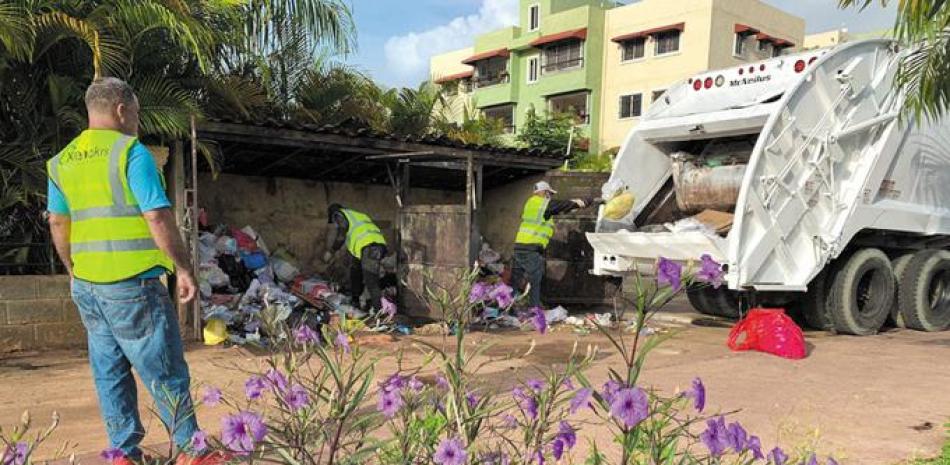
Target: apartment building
(604, 61)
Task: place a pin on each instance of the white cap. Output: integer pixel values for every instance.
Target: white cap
(543, 186)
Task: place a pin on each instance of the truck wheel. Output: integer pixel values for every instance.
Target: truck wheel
(812, 305)
(899, 264)
(923, 293)
(861, 292)
(699, 299)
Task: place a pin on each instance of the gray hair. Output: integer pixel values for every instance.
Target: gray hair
(106, 93)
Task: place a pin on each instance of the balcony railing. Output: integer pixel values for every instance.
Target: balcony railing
(491, 80)
(562, 65)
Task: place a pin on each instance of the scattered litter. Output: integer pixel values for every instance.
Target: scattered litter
(215, 332)
(600, 319)
(575, 321)
(431, 329)
(556, 315)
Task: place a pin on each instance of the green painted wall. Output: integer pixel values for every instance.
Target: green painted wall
(556, 16)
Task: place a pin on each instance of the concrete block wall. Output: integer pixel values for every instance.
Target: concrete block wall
(36, 312)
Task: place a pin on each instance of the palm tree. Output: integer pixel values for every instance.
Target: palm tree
(925, 72)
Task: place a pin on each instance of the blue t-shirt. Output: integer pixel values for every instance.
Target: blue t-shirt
(145, 183)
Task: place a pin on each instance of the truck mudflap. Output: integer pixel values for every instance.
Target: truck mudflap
(622, 252)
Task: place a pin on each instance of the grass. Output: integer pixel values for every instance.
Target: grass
(943, 459)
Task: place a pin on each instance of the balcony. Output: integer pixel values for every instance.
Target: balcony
(562, 65)
(491, 80)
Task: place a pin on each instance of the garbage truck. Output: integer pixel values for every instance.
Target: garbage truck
(804, 178)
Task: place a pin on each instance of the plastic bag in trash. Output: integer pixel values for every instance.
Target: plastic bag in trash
(768, 330)
(215, 332)
(205, 289)
(254, 260)
(213, 275)
(283, 270)
(611, 188)
(487, 255)
(206, 253)
(226, 245)
(619, 206)
(556, 314)
(218, 312)
(257, 238)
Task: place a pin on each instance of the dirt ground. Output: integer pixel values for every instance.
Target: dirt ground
(871, 400)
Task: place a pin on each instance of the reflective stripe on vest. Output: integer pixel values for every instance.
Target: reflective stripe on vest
(361, 232)
(109, 239)
(534, 229)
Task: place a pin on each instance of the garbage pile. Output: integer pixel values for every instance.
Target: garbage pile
(242, 284)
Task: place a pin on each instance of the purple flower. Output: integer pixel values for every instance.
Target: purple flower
(450, 452)
(526, 402)
(568, 384)
(737, 437)
(777, 456)
(211, 396)
(389, 308)
(305, 335)
(471, 399)
(342, 341)
(832, 461)
(669, 272)
(254, 387)
(755, 445)
(502, 294)
(698, 393)
(17, 454)
(199, 441)
(566, 433)
(112, 454)
(389, 403)
(441, 382)
(630, 406)
(539, 457)
(509, 421)
(415, 384)
(539, 320)
(241, 431)
(610, 389)
(716, 436)
(536, 385)
(479, 292)
(557, 449)
(812, 460)
(710, 271)
(581, 399)
(395, 382)
(297, 398)
(277, 380)
(494, 458)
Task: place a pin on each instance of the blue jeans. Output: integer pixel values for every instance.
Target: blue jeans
(132, 324)
(527, 267)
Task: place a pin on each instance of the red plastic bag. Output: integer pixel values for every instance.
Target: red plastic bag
(768, 330)
(244, 241)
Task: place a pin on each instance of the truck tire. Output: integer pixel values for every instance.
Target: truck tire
(861, 293)
(698, 299)
(923, 292)
(715, 302)
(812, 305)
(899, 264)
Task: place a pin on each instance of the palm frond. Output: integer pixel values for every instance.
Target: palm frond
(233, 94)
(166, 108)
(54, 26)
(324, 22)
(16, 33)
(139, 18)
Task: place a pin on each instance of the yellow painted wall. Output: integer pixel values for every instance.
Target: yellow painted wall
(826, 39)
(448, 64)
(706, 43)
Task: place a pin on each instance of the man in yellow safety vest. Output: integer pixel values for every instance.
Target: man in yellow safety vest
(116, 235)
(365, 242)
(534, 233)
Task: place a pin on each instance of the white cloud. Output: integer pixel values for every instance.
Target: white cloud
(407, 56)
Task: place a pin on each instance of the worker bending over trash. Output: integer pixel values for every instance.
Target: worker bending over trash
(365, 242)
(533, 236)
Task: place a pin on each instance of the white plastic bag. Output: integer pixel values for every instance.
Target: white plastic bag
(611, 188)
(284, 271)
(556, 314)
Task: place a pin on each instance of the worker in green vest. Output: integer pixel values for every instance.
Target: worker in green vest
(534, 233)
(365, 242)
(115, 233)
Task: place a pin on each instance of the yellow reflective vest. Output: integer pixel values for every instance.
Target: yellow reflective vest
(361, 233)
(109, 239)
(534, 229)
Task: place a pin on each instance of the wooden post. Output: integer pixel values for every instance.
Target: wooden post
(470, 209)
(196, 304)
(177, 187)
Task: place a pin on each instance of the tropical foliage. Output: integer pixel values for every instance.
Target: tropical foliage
(924, 25)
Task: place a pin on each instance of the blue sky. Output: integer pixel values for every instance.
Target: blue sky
(397, 37)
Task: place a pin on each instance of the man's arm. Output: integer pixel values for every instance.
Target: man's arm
(59, 226)
(161, 223)
(557, 207)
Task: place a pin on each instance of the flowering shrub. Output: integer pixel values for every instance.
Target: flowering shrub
(316, 402)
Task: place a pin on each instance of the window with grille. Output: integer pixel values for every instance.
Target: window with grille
(563, 55)
(504, 113)
(574, 103)
(667, 42)
(633, 49)
(631, 106)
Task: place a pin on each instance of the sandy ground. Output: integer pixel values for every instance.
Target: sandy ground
(871, 400)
